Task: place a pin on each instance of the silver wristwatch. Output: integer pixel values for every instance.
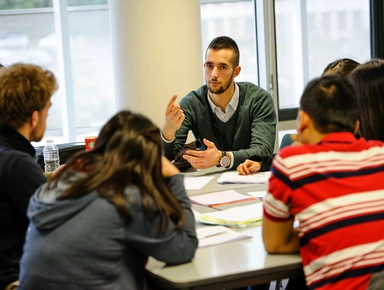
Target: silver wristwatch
(225, 161)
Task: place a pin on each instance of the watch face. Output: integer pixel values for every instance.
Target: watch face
(225, 161)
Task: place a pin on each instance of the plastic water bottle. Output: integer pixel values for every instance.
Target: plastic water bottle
(51, 156)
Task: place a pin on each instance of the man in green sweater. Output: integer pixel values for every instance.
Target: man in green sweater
(232, 121)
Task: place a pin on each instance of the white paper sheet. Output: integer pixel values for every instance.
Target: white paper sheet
(196, 182)
(258, 194)
(220, 197)
(234, 177)
(214, 235)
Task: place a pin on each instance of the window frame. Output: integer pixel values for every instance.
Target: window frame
(60, 11)
(377, 47)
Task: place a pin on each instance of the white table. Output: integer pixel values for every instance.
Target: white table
(230, 265)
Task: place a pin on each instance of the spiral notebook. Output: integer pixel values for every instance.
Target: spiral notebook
(236, 217)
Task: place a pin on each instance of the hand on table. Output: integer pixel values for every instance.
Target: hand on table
(248, 167)
(174, 117)
(205, 158)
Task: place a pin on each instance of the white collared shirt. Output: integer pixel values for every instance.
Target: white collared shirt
(229, 109)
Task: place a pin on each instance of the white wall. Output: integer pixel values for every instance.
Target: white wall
(156, 53)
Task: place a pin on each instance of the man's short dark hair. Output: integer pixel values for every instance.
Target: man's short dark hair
(225, 42)
(331, 103)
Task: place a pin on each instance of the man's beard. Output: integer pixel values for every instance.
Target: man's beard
(35, 136)
(220, 89)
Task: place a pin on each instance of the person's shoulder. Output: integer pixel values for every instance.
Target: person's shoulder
(250, 86)
(289, 151)
(14, 155)
(23, 162)
(253, 91)
(202, 91)
(17, 165)
(196, 96)
(297, 152)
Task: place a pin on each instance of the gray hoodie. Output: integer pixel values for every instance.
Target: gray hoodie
(85, 243)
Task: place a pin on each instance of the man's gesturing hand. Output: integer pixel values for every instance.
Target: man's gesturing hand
(174, 117)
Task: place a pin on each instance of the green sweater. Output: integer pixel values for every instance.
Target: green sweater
(250, 131)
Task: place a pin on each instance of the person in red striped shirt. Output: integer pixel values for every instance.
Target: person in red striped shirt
(333, 185)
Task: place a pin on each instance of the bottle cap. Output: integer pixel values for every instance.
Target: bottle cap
(49, 141)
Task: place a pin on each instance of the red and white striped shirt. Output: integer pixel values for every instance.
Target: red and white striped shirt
(335, 189)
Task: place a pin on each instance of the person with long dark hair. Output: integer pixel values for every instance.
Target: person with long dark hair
(368, 80)
(94, 224)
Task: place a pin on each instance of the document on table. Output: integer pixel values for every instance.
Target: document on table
(234, 177)
(221, 197)
(214, 235)
(238, 217)
(196, 182)
(260, 195)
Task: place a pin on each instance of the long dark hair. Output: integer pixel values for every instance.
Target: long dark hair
(127, 152)
(368, 79)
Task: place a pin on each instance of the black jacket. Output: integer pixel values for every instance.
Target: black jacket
(20, 176)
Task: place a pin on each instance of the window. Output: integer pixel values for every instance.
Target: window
(28, 35)
(309, 35)
(91, 68)
(234, 19)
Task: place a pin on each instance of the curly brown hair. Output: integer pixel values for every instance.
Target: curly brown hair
(24, 88)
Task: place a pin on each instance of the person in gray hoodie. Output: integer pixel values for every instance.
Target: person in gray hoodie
(95, 223)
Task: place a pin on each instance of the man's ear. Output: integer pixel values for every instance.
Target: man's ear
(34, 118)
(237, 71)
(302, 121)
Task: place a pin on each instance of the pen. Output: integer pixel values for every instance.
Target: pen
(212, 235)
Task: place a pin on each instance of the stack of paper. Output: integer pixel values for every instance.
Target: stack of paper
(209, 236)
(234, 177)
(219, 198)
(237, 217)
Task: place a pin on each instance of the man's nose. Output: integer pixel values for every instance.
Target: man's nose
(215, 72)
